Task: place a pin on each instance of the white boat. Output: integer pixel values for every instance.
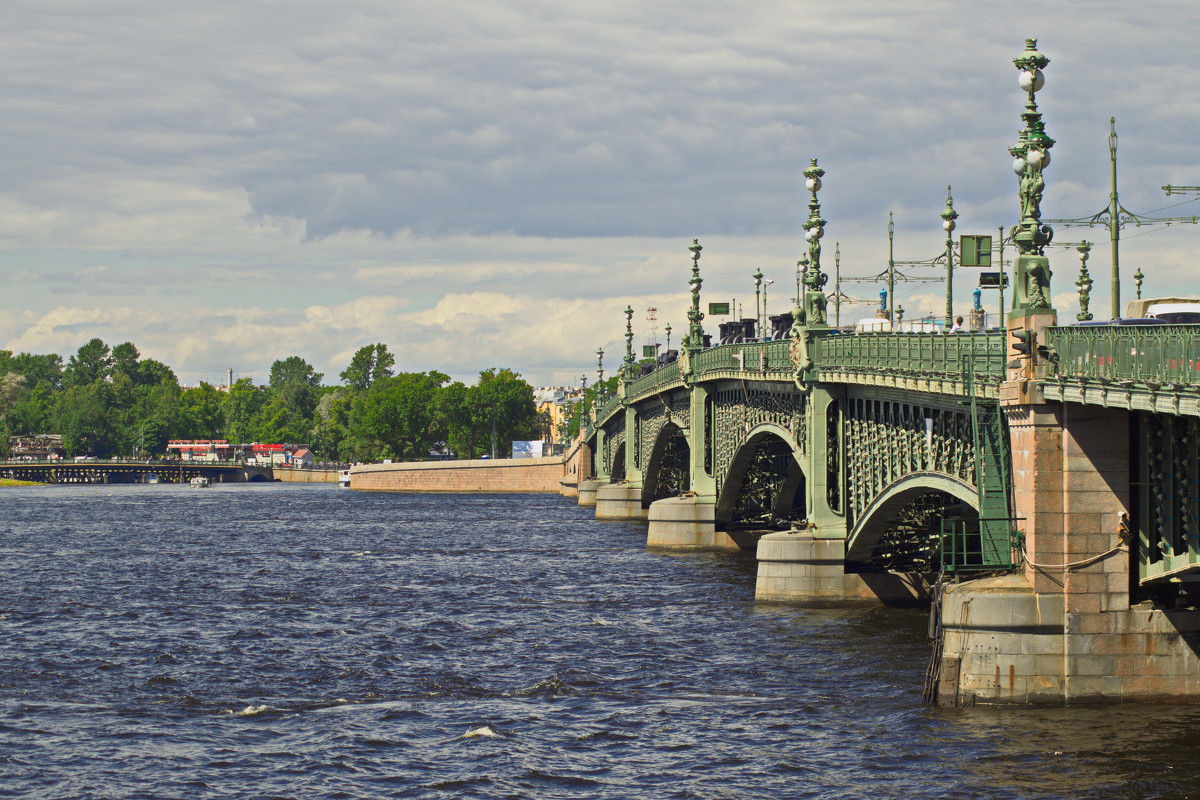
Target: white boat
(344, 478)
(200, 480)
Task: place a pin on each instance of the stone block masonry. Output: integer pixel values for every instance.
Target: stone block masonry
(484, 476)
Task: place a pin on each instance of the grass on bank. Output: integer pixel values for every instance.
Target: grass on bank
(11, 482)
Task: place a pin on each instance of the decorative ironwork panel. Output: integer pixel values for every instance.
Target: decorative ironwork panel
(614, 437)
(739, 408)
(1168, 497)
(887, 440)
(655, 413)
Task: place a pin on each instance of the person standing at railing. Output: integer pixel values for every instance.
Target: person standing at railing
(957, 326)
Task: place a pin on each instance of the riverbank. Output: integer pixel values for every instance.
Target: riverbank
(11, 482)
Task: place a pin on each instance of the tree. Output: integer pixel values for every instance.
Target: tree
(240, 407)
(124, 359)
(505, 401)
(400, 413)
(92, 362)
(200, 413)
(370, 364)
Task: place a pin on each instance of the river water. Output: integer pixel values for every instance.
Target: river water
(280, 641)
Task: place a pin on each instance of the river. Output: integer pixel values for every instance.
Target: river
(279, 641)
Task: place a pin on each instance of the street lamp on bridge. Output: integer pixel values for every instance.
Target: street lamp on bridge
(948, 217)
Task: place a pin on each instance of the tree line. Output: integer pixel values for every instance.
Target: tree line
(109, 401)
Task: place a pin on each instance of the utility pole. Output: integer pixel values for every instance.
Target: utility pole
(1115, 216)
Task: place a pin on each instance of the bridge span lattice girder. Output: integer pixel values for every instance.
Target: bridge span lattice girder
(871, 524)
(734, 480)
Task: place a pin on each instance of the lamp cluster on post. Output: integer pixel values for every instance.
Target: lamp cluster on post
(1084, 283)
(1137, 282)
(948, 217)
(695, 335)
(814, 228)
(1031, 155)
(801, 271)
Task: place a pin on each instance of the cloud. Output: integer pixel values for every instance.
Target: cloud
(501, 179)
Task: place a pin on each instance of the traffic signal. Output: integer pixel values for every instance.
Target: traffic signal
(1024, 342)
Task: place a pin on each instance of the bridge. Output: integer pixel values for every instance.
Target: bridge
(1036, 484)
(132, 471)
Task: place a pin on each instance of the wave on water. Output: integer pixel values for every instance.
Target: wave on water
(482, 731)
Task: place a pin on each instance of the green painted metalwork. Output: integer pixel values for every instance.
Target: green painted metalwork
(916, 355)
(611, 406)
(1164, 357)
(1084, 283)
(752, 357)
(664, 376)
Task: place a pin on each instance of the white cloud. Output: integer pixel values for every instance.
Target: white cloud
(483, 184)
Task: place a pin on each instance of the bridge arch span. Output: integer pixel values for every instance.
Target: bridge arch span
(901, 495)
(668, 468)
(765, 478)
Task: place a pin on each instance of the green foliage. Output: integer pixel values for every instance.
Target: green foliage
(112, 402)
(369, 365)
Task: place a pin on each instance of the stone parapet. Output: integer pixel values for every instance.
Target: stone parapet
(483, 476)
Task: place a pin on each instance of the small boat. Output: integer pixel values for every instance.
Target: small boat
(344, 478)
(200, 480)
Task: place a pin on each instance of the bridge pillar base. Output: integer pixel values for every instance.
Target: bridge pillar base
(568, 487)
(619, 501)
(793, 567)
(1004, 643)
(586, 493)
(683, 523)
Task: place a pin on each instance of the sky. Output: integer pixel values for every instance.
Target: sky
(480, 184)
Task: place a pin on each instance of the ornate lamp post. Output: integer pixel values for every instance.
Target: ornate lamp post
(629, 362)
(1137, 282)
(600, 372)
(1031, 155)
(764, 333)
(1084, 283)
(695, 336)
(758, 279)
(814, 229)
(891, 273)
(668, 337)
(948, 217)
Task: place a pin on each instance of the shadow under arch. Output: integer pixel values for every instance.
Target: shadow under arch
(882, 513)
(616, 470)
(785, 496)
(668, 470)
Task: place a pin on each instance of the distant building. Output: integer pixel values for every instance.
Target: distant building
(556, 404)
(36, 447)
(206, 449)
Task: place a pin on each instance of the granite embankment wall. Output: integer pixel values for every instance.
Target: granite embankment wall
(291, 475)
(501, 475)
